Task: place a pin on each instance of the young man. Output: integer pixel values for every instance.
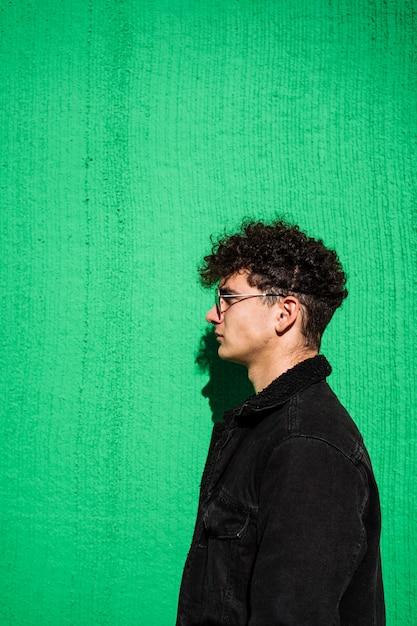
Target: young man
(288, 524)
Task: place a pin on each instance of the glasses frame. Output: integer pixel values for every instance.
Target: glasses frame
(244, 296)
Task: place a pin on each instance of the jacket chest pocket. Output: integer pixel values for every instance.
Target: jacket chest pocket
(223, 520)
(231, 545)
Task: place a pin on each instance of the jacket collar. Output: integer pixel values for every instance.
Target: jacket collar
(283, 388)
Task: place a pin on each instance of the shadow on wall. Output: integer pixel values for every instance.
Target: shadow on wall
(228, 384)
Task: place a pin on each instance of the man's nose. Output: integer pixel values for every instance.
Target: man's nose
(212, 315)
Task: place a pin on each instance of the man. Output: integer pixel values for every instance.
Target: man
(288, 524)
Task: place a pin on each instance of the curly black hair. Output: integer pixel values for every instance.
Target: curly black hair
(280, 257)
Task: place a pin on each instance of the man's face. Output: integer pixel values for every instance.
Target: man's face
(246, 328)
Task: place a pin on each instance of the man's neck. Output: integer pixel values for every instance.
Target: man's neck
(261, 375)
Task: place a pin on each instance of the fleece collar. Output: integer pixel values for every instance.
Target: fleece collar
(284, 387)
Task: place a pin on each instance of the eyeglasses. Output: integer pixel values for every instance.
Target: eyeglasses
(218, 297)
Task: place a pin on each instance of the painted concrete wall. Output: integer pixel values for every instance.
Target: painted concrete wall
(130, 131)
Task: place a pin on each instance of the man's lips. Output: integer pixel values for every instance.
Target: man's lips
(219, 337)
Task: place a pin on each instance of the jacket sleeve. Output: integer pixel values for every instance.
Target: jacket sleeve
(311, 534)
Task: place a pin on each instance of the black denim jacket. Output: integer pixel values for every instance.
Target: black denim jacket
(288, 524)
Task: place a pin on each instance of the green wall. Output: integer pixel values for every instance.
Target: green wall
(131, 130)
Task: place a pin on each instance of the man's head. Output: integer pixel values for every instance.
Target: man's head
(279, 258)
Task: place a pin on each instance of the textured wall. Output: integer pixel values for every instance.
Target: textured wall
(130, 131)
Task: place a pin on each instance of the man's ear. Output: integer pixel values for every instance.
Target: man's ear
(287, 313)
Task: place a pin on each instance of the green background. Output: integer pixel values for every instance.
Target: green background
(130, 132)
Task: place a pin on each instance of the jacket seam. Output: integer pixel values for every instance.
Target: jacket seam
(355, 457)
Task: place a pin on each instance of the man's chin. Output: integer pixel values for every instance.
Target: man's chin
(229, 356)
(222, 352)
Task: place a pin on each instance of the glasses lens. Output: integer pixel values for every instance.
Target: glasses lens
(217, 302)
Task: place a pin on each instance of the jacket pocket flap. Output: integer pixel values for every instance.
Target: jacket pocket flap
(224, 520)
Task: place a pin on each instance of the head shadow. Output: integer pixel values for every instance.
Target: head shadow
(228, 383)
